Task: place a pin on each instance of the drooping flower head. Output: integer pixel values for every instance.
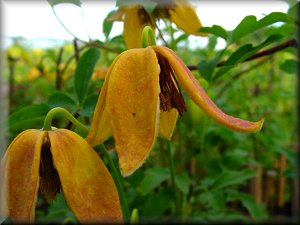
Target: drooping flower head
(141, 99)
(136, 17)
(50, 162)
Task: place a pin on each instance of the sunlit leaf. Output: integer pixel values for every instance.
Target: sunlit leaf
(250, 24)
(216, 30)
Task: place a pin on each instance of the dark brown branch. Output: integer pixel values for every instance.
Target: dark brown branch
(270, 51)
(58, 84)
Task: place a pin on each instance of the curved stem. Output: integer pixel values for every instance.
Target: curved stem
(148, 37)
(61, 111)
(118, 181)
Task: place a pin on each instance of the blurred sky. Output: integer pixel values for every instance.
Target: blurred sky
(35, 19)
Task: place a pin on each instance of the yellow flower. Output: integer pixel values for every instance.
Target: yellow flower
(135, 18)
(140, 98)
(49, 162)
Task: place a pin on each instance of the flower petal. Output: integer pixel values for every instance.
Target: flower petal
(200, 97)
(133, 106)
(20, 168)
(185, 17)
(167, 123)
(100, 129)
(87, 185)
(136, 18)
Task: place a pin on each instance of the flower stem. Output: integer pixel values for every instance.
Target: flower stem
(61, 111)
(148, 37)
(117, 178)
(172, 172)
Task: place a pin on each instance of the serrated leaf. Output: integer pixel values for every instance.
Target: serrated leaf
(84, 72)
(228, 178)
(250, 24)
(60, 99)
(153, 178)
(22, 118)
(56, 2)
(290, 66)
(216, 30)
(183, 181)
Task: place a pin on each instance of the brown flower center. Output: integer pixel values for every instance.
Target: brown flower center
(170, 95)
(49, 180)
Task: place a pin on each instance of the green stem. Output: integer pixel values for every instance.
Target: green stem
(172, 171)
(148, 37)
(117, 178)
(61, 111)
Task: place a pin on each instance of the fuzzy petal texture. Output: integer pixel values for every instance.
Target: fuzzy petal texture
(185, 17)
(167, 123)
(133, 106)
(20, 167)
(87, 184)
(200, 97)
(100, 129)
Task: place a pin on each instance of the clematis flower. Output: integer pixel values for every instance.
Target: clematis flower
(49, 162)
(135, 18)
(141, 99)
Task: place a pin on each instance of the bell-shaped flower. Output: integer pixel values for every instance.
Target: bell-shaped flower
(50, 162)
(141, 99)
(135, 18)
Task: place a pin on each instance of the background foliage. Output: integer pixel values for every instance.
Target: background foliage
(220, 175)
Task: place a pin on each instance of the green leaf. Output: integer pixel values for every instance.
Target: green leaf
(148, 5)
(60, 99)
(243, 53)
(290, 66)
(56, 2)
(228, 178)
(23, 118)
(250, 24)
(153, 178)
(89, 105)
(183, 181)
(107, 25)
(216, 30)
(84, 72)
(157, 203)
(206, 68)
(256, 210)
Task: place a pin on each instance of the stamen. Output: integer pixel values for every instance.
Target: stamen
(49, 180)
(170, 95)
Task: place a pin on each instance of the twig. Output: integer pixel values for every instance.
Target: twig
(270, 51)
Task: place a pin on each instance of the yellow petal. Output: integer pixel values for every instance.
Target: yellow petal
(185, 17)
(87, 185)
(167, 123)
(100, 129)
(133, 105)
(20, 168)
(136, 18)
(200, 97)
